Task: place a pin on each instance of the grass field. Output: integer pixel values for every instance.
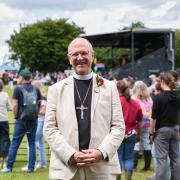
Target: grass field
(42, 174)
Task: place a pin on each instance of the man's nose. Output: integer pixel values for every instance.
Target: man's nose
(80, 56)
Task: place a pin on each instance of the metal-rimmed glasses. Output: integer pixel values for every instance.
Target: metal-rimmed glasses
(76, 54)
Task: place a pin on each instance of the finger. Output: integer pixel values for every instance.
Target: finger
(81, 164)
(86, 151)
(89, 160)
(86, 156)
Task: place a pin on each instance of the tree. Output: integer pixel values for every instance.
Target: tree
(136, 24)
(112, 57)
(177, 48)
(43, 45)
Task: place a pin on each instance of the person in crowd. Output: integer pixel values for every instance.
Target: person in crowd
(39, 132)
(40, 145)
(5, 105)
(142, 95)
(176, 76)
(25, 110)
(132, 115)
(5, 75)
(130, 82)
(165, 129)
(84, 124)
(153, 81)
(157, 91)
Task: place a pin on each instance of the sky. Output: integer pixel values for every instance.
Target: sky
(96, 16)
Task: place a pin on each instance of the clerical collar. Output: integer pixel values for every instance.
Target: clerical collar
(83, 77)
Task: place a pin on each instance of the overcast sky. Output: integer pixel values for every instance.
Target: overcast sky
(96, 16)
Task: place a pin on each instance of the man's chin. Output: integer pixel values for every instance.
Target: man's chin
(81, 71)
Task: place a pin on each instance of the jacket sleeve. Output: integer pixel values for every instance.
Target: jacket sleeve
(112, 141)
(51, 131)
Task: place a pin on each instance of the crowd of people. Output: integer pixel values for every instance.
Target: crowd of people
(152, 125)
(10, 78)
(33, 128)
(95, 128)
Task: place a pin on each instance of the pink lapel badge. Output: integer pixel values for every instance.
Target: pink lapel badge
(96, 90)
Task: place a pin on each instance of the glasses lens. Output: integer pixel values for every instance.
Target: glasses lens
(82, 53)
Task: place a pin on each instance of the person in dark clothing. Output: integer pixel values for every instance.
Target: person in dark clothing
(23, 125)
(164, 128)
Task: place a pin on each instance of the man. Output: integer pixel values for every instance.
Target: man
(23, 125)
(84, 124)
(164, 128)
(153, 80)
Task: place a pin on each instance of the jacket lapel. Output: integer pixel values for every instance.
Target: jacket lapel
(69, 88)
(95, 96)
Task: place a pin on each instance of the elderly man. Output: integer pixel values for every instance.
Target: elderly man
(84, 124)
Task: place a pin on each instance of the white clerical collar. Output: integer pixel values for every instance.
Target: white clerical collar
(83, 77)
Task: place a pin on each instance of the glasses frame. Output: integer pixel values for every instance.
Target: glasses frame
(76, 54)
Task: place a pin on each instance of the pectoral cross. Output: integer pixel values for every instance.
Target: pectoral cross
(82, 108)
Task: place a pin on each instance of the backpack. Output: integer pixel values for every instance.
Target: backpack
(30, 108)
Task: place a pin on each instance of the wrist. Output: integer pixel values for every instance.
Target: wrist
(101, 154)
(71, 160)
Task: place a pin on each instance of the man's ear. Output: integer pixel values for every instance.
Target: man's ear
(93, 55)
(69, 60)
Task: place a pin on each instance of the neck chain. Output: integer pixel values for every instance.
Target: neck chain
(82, 107)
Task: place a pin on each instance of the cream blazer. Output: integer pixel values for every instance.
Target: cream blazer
(61, 128)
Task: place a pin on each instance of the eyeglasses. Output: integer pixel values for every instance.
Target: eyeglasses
(76, 54)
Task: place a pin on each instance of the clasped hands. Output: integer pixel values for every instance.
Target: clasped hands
(86, 157)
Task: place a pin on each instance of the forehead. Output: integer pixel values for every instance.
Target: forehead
(79, 44)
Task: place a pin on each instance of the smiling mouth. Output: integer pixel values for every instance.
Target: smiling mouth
(80, 63)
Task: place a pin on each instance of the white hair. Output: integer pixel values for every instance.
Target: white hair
(89, 45)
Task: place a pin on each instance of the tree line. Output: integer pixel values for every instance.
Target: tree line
(43, 45)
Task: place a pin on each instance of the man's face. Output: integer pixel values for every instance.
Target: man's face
(19, 80)
(81, 57)
(162, 84)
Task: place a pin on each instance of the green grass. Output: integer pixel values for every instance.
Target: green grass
(17, 174)
(42, 174)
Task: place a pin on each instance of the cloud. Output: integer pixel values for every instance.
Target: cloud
(74, 5)
(109, 19)
(8, 21)
(46, 4)
(163, 9)
(148, 4)
(8, 14)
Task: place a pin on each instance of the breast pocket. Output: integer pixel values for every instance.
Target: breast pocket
(103, 108)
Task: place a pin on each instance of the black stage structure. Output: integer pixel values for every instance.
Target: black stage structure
(159, 43)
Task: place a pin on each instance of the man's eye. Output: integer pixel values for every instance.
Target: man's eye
(75, 54)
(83, 53)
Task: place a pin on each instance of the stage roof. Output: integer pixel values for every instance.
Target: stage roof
(143, 38)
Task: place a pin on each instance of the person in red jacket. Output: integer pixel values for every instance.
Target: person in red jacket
(132, 113)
